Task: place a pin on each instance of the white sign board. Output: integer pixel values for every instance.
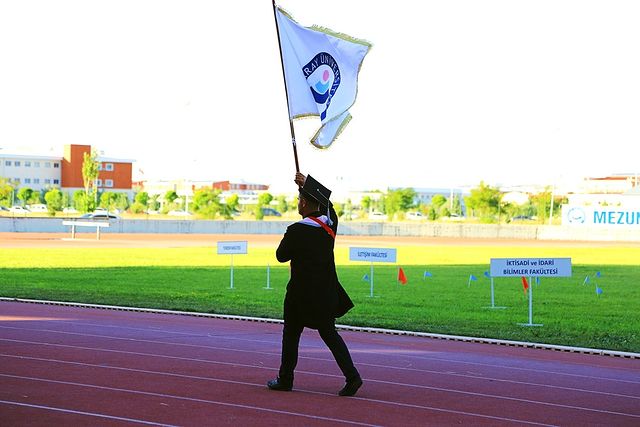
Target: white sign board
(231, 248)
(531, 267)
(372, 254)
(610, 216)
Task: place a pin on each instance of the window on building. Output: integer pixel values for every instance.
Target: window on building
(16, 163)
(16, 180)
(98, 183)
(108, 166)
(27, 164)
(47, 164)
(108, 183)
(27, 180)
(7, 163)
(56, 181)
(36, 164)
(47, 181)
(36, 180)
(56, 165)
(99, 166)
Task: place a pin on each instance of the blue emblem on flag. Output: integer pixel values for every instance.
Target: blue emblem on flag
(323, 76)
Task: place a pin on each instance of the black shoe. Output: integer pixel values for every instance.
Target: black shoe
(351, 387)
(280, 385)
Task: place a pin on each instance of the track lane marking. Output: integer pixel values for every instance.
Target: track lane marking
(440, 389)
(359, 363)
(274, 410)
(89, 414)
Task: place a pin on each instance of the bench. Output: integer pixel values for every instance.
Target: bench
(97, 224)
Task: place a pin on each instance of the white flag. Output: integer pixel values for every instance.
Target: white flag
(321, 72)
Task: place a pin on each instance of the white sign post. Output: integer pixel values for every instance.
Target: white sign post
(493, 299)
(268, 278)
(530, 267)
(372, 255)
(231, 248)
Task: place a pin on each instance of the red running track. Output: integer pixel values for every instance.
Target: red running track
(63, 365)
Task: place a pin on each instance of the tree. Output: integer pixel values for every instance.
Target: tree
(140, 203)
(24, 194)
(407, 196)
(206, 203)
(155, 204)
(6, 192)
(263, 200)
(53, 198)
(81, 201)
(142, 198)
(437, 202)
(485, 202)
(232, 202)
(456, 205)
(366, 203)
(108, 200)
(169, 197)
(90, 172)
(283, 206)
(391, 203)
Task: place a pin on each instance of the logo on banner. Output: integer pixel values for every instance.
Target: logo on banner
(323, 76)
(576, 216)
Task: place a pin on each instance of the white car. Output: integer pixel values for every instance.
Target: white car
(178, 213)
(100, 215)
(38, 208)
(415, 216)
(70, 210)
(378, 216)
(19, 209)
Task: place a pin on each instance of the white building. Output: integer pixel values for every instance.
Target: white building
(33, 171)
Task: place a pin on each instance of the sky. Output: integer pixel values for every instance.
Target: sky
(452, 92)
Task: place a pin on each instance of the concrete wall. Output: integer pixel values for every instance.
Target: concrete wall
(457, 230)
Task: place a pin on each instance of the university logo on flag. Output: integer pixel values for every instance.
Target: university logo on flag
(321, 74)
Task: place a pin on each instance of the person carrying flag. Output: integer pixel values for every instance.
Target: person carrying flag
(314, 297)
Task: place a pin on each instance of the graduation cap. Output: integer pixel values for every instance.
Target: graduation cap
(318, 192)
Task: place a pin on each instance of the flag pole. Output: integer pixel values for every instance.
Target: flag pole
(286, 92)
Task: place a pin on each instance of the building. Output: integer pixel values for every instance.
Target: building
(37, 172)
(42, 172)
(239, 187)
(248, 192)
(619, 183)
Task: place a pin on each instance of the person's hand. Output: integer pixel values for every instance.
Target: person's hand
(300, 179)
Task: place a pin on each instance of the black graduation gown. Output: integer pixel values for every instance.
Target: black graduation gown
(314, 295)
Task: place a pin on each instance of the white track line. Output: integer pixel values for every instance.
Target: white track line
(603, 352)
(418, 386)
(450, 411)
(88, 414)
(502, 367)
(189, 399)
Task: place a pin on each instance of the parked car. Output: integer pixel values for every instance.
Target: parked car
(19, 209)
(38, 208)
(100, 215)
(70, 210)
(179, 213)
(4, 208)
(415, 216)
(270, 212)
(378, 216)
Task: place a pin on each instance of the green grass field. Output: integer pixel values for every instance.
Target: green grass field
(196, 279)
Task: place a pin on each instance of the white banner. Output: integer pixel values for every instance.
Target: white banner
(530, 267)
(372, 254)
(232, 248)
(611, 216)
